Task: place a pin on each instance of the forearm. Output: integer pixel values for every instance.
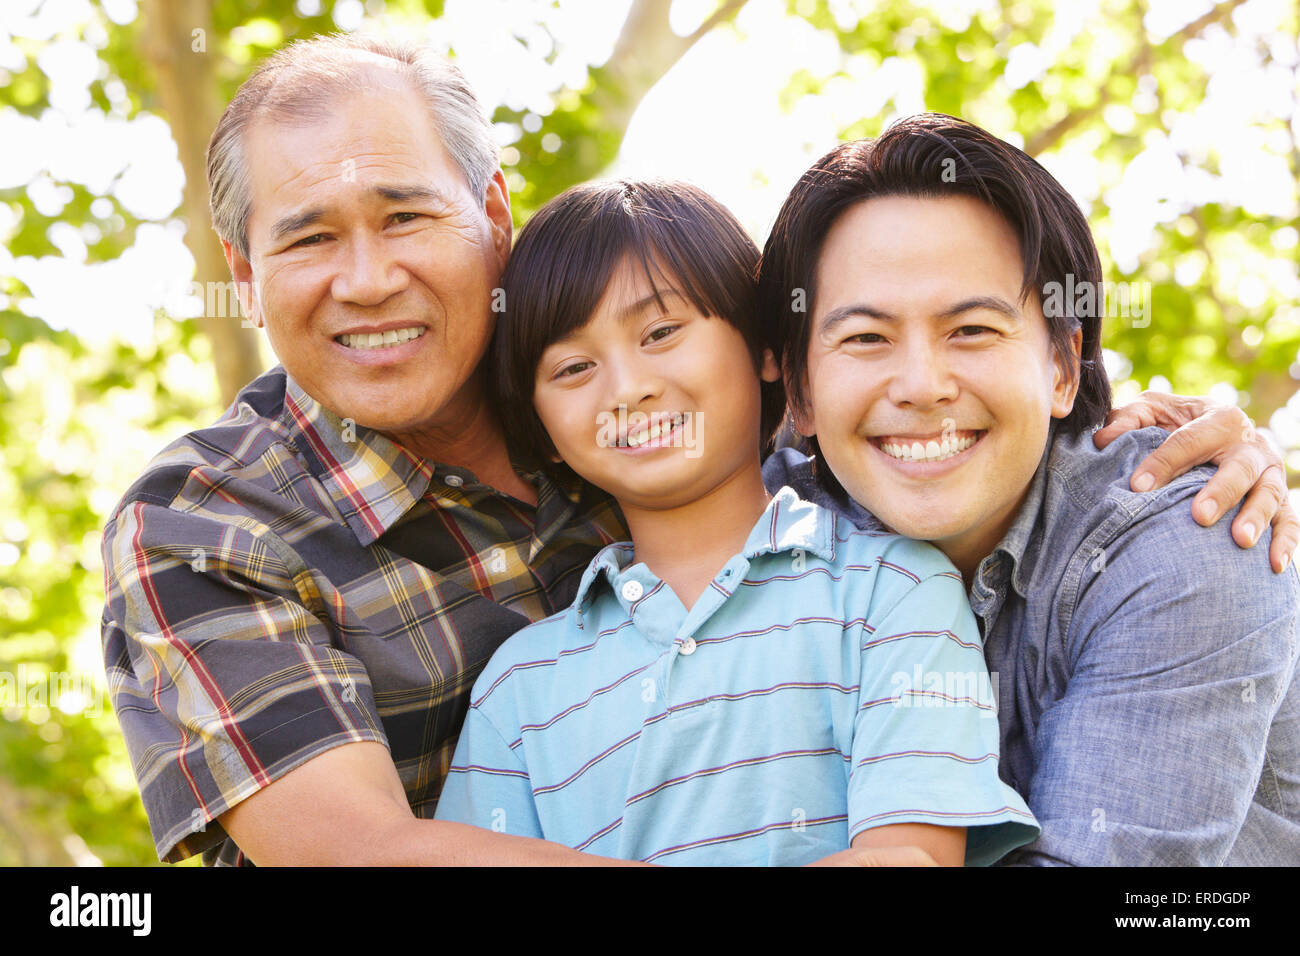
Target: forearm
(416, 842)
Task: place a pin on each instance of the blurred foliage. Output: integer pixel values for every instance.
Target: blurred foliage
(81, 420)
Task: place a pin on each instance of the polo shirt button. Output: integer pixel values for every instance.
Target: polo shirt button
(688, 646)
(454, 480)
(632, 591)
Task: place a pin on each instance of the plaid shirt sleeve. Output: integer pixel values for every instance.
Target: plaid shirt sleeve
(220, 666)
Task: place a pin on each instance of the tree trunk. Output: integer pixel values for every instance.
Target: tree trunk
(646, 50)
(179, 45)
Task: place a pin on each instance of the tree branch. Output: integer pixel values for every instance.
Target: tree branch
(1046, 139)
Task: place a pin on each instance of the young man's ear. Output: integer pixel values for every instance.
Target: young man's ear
(803, 420)
(770, 371)
(1065, 381)
(242, 272)
(496, 206)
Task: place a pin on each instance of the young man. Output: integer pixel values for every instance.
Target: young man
(1145, 666)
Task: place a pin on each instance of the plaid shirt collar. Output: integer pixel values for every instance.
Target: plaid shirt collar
(374, 481)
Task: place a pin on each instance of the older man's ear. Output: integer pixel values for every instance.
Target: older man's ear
(496, 205)
(242, 272)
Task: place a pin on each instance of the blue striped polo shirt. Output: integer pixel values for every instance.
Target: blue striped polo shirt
(829, 680)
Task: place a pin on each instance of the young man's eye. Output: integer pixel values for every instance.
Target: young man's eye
(866, 338)
(970, 331)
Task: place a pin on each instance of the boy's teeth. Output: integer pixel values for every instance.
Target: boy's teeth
(930, 451)
(377, 340)
(660, 428)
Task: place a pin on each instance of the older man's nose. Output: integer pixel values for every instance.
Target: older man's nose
(368, 274)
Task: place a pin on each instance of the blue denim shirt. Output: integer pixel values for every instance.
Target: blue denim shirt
(1145, 666)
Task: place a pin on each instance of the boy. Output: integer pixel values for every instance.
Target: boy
(751, 680)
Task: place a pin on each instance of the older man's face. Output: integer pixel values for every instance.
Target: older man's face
(373, 264)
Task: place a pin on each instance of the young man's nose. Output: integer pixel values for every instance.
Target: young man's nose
(919, 375)
(368, 274)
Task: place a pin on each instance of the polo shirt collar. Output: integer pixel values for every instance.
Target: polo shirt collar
(788, 523)
(372, 480)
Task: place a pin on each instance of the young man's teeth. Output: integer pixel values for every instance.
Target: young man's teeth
(930, 451)
(380, 340)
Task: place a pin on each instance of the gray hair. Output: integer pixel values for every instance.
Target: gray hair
(296, 83)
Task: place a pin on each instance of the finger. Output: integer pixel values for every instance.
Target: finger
(1136, 414)
(1235, 478)
(1286, 536)
(1263, 502)
(1185, 448)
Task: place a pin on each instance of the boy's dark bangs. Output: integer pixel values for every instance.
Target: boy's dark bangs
(568, 254)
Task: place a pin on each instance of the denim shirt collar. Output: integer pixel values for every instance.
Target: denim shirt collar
(1016, 554)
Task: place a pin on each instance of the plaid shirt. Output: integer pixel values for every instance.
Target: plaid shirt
(284, 582)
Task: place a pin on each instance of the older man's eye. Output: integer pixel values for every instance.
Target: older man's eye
(311, 240)
(401, 217)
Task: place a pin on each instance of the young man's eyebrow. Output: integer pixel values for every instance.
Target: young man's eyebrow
(994, 303)
(845, 312)
(287, 225)
(991, 302)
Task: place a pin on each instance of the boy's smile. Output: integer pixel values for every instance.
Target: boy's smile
(931, 383)
(630, 398)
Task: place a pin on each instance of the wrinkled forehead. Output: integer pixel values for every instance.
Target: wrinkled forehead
(311, 92)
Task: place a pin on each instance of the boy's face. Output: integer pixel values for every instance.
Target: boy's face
(920, 344)
(657, 405)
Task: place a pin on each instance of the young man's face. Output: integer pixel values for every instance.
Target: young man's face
(931, 384)
(657, 405)
(373, 262)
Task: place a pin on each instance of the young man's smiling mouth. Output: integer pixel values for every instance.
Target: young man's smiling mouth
(931, 448)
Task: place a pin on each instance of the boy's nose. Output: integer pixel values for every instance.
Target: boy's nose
(635, 382)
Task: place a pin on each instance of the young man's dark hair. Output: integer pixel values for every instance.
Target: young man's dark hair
(680, 235)
(932, 156)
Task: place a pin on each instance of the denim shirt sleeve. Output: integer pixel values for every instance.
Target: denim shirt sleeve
(1180, 650)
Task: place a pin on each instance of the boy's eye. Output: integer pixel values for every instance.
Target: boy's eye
(574, 369)
(662, 332)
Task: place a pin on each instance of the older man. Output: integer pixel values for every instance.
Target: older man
(301, 595)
